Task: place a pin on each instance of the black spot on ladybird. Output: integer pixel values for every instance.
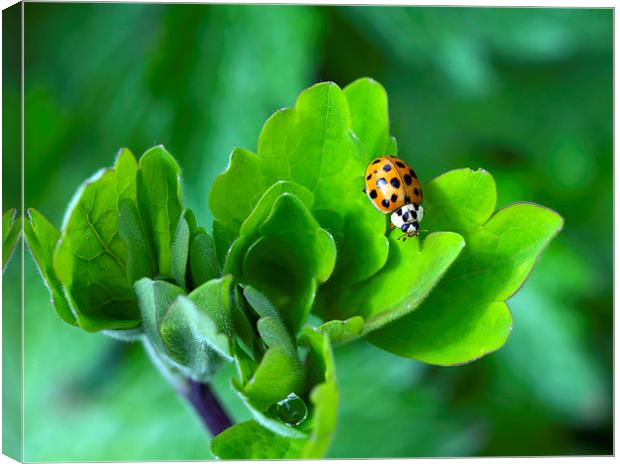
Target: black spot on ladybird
(394, 197)
(385, 203)
(414, 215)
(406, 217)
(395, 182)
(374, 172)
(387, 167)
(399, 212)
(373, 194)
(416, 192)
(407, 199)
(376, 161)
(381, 182)
(368, 176)
(408, 179)
(412, 172)
(399, 164)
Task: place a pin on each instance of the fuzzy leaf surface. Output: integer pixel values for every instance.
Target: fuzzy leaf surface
(343, 331)
(192, 339)
(41, 238)
(180, 251)
(214, 299)
(203, 262)
(155, 298)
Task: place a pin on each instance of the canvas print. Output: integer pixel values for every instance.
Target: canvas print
(306, 232)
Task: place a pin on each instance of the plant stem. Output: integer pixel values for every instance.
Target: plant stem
(208, 407)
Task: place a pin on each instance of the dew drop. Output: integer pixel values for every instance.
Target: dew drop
(292, 410)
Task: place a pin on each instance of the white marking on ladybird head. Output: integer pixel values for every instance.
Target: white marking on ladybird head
(407, 218)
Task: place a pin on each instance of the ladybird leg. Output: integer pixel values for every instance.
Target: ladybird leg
(364, 190)
(392, 226)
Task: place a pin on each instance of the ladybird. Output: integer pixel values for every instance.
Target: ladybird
(393, 188)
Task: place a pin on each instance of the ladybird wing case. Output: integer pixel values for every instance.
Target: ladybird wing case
(413, 189)
(391, 183)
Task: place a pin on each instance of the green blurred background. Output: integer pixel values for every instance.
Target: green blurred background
(524, 93)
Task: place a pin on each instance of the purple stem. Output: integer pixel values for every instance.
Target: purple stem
(208, 407)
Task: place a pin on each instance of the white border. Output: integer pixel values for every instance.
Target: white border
(475, 3)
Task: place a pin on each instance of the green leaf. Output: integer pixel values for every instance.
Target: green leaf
(292, 256)
(249, 230)
(270, 325)
(324, 397)
(192, 339)
(412, 270)
(160, 202)
(180, 338)
(91, 257)
(314, 146)
(230, 205)
(11, 225)
(264, 206)
(125, 335)
(274, 333)
(343, 331)
(140, 259)
(203, 261)
(465, 316)
(223, 238)
(41, 238)
(155, 297)
(261, 414)
(369, 115)
(288, 441)
(245, 363)
(244, 329)
(250, 440)
(218, 298)
(278, 374)
(214, 299)
(259, 302)
(192, 223)
(180, 251)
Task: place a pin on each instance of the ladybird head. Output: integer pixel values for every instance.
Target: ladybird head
(408, 218)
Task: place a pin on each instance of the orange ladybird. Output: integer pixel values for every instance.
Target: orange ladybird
(393, 187)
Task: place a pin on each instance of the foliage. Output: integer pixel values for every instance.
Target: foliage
(501, 250)
(289, 224)
(11, 225)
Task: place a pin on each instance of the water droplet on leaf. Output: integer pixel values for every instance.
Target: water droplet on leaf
(292, 409)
